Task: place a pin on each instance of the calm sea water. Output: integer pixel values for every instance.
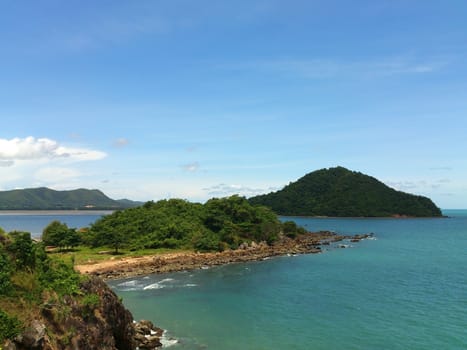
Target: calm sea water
(36, 221)
(405, 290)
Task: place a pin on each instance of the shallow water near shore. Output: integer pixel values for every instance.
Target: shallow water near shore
(407, 289)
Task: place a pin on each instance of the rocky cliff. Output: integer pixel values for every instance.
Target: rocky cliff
(96, 320)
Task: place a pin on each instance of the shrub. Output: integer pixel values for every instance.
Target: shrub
(60, 277)
(10, 327)
(5, 273)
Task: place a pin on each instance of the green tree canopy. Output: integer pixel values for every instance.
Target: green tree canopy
(341, 192)
(59, 235)
(218, 224)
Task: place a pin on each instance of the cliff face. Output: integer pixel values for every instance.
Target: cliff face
(96, 321)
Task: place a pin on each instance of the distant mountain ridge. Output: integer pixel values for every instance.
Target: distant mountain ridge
(43, 198)
(344, 193)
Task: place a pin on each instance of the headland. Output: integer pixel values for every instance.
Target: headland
(309, 243)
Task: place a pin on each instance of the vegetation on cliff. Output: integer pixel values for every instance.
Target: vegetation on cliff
(44, 303)
(341, 192)
(46, 199)
(216, 225)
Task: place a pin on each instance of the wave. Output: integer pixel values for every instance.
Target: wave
(167, 341)
(166, 280)
(156, 285)
(160, 284)
(128, 283)
(129, 286)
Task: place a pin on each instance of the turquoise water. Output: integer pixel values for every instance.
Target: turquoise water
(405, 290)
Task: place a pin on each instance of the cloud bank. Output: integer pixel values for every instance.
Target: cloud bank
(31, 148)
(223, 190)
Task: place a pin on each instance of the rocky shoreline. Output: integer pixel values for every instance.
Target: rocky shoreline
(309, 243)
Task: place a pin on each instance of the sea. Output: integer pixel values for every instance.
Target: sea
(404, 289)
(34, 221)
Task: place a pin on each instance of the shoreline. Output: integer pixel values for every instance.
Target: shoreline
(309, 243)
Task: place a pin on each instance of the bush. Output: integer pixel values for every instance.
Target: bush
(10, 327)
(90, 303)
(206, 241)
(5, 273)
(22, 250)
(291, 229)
(60, 277)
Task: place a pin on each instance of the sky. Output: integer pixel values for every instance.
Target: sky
(158, 99)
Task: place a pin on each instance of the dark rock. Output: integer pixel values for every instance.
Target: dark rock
(32, 337)
(9, 345)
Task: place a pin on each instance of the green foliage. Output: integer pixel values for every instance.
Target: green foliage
(5, 272)
(27, 274)
(22, 250)
(290, 229)
(205, 242)
(10, 326)
(47, 199)
(218, 224)
(26, 268)
(341, 192)
(90, 302)
(60, 277)
(58, 234)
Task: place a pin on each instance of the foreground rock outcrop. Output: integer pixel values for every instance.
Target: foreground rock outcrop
(95, 320)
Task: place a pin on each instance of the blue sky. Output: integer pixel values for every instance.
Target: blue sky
(195, 99)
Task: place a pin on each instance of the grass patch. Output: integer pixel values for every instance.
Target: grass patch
(83, 255)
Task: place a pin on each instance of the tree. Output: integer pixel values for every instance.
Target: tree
(22, 250)
(5, 272)
(59, 235)
(72, 238)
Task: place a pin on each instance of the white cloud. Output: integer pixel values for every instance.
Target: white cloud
(6, 163)
(191, 167)
(331, 68)
(418, 185)
(223, 190)
(31, 148)
(121, 142)
(55, 174)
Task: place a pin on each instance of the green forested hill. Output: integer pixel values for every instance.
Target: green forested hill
(46, 199)
(218, 224)
(341, 192)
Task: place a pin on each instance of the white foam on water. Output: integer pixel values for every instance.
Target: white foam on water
(190, 285)
(165, 280)
(160, 284)
(130, 283)
(153, 286)
(166, 341)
